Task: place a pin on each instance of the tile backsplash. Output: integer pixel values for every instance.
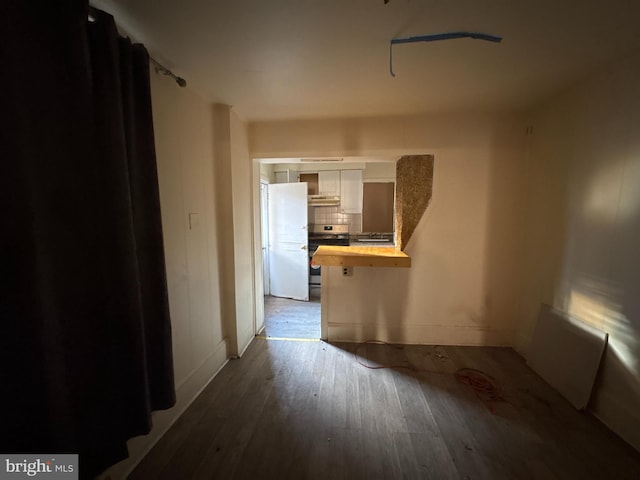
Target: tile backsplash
(332, 216)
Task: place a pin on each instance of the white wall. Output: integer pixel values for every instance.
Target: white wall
(234, 203)
(583, 228)
(461, 286)
(380, 172)
(184, 147)
(243, 204)
(224, 210)
(266, 173)
(317, 166)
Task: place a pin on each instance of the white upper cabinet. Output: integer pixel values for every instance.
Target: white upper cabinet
(351, 191)
(329, 183)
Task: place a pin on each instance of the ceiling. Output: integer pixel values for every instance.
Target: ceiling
(282, 59)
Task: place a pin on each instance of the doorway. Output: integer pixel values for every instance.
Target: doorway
(289, 310)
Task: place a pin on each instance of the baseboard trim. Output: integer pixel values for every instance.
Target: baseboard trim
(618, 417)
(420, 334)
(247, 346)
(188, 391)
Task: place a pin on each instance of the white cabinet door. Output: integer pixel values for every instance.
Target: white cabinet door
(288, 255)
(351, 191)
(329, 183)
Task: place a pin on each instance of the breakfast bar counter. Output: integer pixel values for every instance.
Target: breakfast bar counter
(334, 256)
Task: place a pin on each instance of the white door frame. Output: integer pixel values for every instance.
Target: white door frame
(264, 225)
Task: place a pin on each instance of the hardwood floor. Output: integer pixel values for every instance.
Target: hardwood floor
(311, 410)
(287, 318)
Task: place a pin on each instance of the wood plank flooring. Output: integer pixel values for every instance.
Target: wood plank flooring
(311, 410)
(287, 318)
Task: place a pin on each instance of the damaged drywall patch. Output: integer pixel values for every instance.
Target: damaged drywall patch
(414, 186)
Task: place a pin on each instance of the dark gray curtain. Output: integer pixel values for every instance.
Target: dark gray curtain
(86, 337)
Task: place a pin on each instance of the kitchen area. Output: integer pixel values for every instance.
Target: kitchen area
(347, 204)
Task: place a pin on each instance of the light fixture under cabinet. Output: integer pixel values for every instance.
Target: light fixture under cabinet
(324, 159)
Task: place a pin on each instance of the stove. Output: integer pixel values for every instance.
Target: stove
(337, 235)
(328, 235)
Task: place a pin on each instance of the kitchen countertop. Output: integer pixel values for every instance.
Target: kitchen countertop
(357, 256)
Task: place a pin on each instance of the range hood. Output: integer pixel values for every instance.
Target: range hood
(323, 201)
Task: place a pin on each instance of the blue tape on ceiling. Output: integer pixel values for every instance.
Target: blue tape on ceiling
(437, 37)
(447, 36)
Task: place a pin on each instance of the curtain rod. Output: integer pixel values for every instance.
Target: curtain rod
(165, 71)
(159, 68)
